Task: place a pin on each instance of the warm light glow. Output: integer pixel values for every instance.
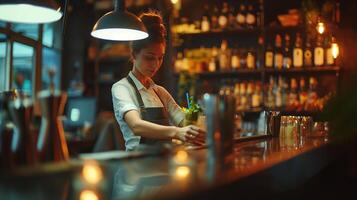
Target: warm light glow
(335, 50)
(182, 172)
(91, 172)
(320, 27)
(26, 13)
(174, 1)
(119, 34)
(181, 156)
(88, 195)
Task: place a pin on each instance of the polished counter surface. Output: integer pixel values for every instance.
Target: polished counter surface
(268, 165)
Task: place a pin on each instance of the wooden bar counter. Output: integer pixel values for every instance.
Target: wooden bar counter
(256, 169)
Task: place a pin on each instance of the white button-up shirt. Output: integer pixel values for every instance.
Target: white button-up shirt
(124, 100)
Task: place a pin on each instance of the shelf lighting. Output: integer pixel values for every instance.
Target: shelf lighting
(174, 1)
(29, 11)
(119, 25)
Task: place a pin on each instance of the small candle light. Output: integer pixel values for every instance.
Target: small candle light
(320, 27)
(181, 156)
(182, 172)
(91, 172)
(88, 195)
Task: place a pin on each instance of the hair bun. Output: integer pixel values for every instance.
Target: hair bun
(153, 23)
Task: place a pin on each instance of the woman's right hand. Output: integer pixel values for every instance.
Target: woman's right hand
(191, 134)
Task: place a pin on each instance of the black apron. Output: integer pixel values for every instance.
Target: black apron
(157, 115)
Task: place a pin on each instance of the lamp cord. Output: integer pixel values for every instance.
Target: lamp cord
(64, 20)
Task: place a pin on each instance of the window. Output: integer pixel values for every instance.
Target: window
(51, 62)
(2, 24)
(48, 34)
(23, 68)
(28, 30)
(3, 69)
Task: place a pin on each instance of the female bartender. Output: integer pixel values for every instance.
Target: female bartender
(144, 110)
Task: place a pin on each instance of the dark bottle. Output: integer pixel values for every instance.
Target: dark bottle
(232, 23)
(308, 54)
(287, 62)
(302, 94)
(205, 21)
(223, 17)
(251, 18)
(269, 57)
(260, 53)
(241, 16)
(278, 53)
(319, 53)
(297, 52)
(214, 18)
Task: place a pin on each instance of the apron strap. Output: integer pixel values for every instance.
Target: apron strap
(138, 96)
(163, 105)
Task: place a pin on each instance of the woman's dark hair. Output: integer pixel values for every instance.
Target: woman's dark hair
(156, 30)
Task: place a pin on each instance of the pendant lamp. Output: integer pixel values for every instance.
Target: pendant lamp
(29, 11)
(119, 25)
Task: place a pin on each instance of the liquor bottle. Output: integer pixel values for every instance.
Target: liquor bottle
(319, 53)
(224, 56)
(250, 59)
(312, 96)
(297, 52)
(270, 97)
(293, 99)
(281, 93)
(278, 95)
(278, 54)
(250, 17)
(205, 21)
(330, 61)
(249, 95)
(287, 53)
(243, 58)
(284, 91)
(241, 15)
(235, 61)
(308, 54)
(337, 13)
(260, 53)
(237, 95)
(214, 64)
(269, 57)
(256, 97)
(243, 97)
(214, 18)
(302, 94)
(223, 17)
(232, 23)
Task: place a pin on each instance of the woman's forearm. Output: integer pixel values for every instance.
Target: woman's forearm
(151, 130)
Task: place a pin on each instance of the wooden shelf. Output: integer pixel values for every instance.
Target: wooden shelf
(269, 71)
(304, 70)
(251, 110)
(230, 74)
(222, 33)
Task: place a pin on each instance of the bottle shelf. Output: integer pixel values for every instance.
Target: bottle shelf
(304, 70)
(228, 74)
(221, 33)
(251, 110)
(269, 71)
